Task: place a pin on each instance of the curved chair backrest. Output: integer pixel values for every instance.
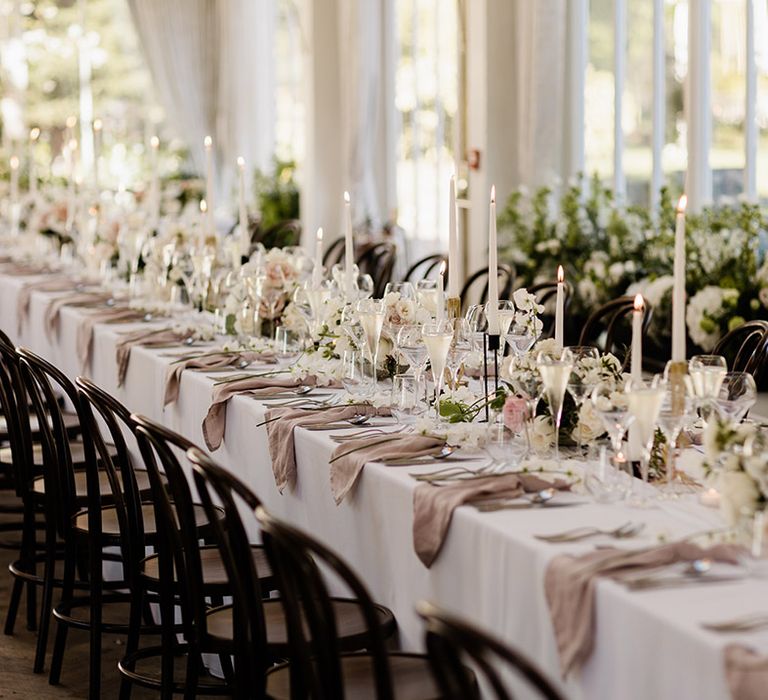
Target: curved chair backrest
(334, 254)
(282, 234)
(546, 293)
(451, 642)
(249, 627)
(426, 268)
(175, 522)
(746, 349)
(475, 289)
(378, 261)
(609, 328)
(315, 663)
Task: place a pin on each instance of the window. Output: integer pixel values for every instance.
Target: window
(289, 105)
(426, 101)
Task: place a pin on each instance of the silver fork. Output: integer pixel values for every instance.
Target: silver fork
(582, 533)
(745, 623)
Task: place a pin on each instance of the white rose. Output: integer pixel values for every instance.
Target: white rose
(590, 426)
(542, 433)
(738, 495)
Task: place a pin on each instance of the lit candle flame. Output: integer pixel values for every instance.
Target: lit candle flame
(560, 274)
(154, 142)
(347, 200)
(208, 142)
(320, 235)
(203, 206)
(14, 162)
(72, 144)
(240, 162)
(493, 194)
(443, 266)
(682, 203)
(92, 211)
(97, 124)
(639, 302)
(34, 133)
(71, 121)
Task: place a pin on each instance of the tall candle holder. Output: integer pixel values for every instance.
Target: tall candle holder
(490, 344)
(677, 371)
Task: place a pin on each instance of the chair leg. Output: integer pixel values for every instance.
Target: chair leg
(13, 605)
(169, 642)
(46, 605)
(194, 662)
(96, 587)
(67, 591)
(138, 604)
(30, 547)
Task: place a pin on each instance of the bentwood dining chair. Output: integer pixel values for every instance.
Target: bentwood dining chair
(745, 348)
(378, 261)
(312, 624)
(609, 328)
(426, 268)
(475, 289)
(452, 642)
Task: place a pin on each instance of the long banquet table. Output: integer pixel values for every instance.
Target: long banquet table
(647, 644)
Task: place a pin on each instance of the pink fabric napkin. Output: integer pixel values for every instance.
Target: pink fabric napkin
(215, 421)
(746, 672)
(145, 338)
(433, 505)
(215, 359)
(57, 283)
(53, 310)
(570, 582)
(85, 329)
(280, 434)
(348, 459)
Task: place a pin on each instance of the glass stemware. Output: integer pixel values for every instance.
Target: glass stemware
(437, 339)
(502, 446)
(671, 423)
(404, 289)
(406, 404)
(529, 387)
(555, 373)
(578, 385)
(610, 404)
(353, 377)
(644, 400)
(426, 295)
(370, 313)
(410, 344)
(520, 339)
(460, 348)
(706, 373)
(738, 393)
(478, 324)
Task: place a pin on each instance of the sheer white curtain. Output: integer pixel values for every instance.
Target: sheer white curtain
(211, 61)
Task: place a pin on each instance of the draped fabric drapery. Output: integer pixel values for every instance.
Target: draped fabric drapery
(212, 65)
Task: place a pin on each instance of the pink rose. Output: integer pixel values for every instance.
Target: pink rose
(514, 413)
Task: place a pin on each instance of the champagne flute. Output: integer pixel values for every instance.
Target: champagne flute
(555, 373)
(437, 338)
(707, 373)
(578, 387)
(644, 400)
(370, 313)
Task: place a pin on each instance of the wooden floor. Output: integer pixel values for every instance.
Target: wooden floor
(17, 654)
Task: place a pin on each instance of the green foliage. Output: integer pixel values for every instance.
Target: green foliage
(277, 195)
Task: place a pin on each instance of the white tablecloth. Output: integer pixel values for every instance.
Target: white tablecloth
(648, 644)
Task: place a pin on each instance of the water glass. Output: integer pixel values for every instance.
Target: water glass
(738, 393)
(286, 344)
(354, 378)
(407, 398)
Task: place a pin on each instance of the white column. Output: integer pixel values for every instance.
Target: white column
(750, 117)
(699, 105)
(619, 69)
(577, 21)
(659, 103)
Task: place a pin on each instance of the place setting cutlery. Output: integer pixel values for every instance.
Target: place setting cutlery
(698, 571)
(545, 498)
(625, 531)
(369, 432)
(743, 623)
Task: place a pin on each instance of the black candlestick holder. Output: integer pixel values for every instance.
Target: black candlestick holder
(490, 343)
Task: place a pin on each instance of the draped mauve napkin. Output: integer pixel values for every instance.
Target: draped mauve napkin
(208, 361)
(746, 672)
(433, 506)
(58, 283)
(53, 310)
(348, 460)
(147, 339)
(280, 427)
(570, 582)
(215, 421)
(85, 329)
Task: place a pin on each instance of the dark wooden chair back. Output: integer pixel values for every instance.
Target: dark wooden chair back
(378, 261)
(426, 268)
(285, 233)
(609, 328)
(475, 289)
(334, 253)
(315, 666)
(546, 295)
(746, 350)
(452, 642)
(216, 485)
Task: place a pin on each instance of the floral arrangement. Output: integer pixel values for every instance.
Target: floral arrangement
(609, 251)
(736, 460)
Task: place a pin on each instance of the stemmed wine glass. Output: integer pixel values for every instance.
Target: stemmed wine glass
(555, 372)
(410, 344)
(644, 400)
(426, 295)
(672, 419)
(404, 289)
(529, 387)
(578, 386)
(738, 393)
(520, 339)
(478, 325)
(460, 348)
(370, 313)
(610, 403)
(707, 373)
(437, 338)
